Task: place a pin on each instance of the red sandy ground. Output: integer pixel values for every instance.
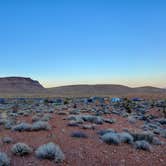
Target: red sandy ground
(83, 152)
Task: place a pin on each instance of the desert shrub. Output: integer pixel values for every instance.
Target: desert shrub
(116, 112)
(98, 120)
(74, 112)
(92, 119)
(13, 114)
(88, 118)
(35, 118)
(126, 137)
(7, 140)
(4, 160)
(79, 134)
(22, 127)
(66, 102)
(73, 123)
(21, 149)
(89, 126)
(50, 111)
(46, 102)
(162, 121)
(62, 112)
(102, 132)
(147, 136)
(3, 121)
(15, 108)
(156, 131)
(127, 105)
(46, 117)
(25, 114)
(20, 113)
(76, 118)
(111, 138)
(50, 151)
(156, 141)
(144, 145)
(131, 119)
(9, 123)
(163, 133)
(40, 125)
(110, 120)
(39, 111)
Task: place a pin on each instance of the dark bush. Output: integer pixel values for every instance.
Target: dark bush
(79, 134)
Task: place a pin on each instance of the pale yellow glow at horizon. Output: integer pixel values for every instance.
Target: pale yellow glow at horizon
(131, 82)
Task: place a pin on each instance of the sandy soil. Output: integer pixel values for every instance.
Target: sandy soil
(83, 152)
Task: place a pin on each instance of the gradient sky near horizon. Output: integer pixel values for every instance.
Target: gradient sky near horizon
(61, 42)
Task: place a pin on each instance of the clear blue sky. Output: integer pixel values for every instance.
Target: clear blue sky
(61, 42)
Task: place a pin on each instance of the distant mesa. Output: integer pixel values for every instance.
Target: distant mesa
(19, 85)
(22, 85)
(104, 90)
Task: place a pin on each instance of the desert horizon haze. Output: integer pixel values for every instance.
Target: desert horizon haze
(84, 42)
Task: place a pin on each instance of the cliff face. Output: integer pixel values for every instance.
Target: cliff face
(19, 84)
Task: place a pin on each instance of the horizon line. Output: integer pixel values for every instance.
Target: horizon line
(45, 85)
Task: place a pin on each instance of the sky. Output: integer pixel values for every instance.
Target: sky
(62, 42)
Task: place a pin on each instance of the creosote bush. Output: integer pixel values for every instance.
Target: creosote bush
(147, 136)
(79, 134)
(50, 151)
(22, 127)
(144, 145)
(126, 137)
(21, 149)
(7, 140)
(111, 138)
(4, 160)
(40, 125)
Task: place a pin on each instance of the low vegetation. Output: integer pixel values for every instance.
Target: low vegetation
(50, 151)
(79, 126)
(21, 149)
